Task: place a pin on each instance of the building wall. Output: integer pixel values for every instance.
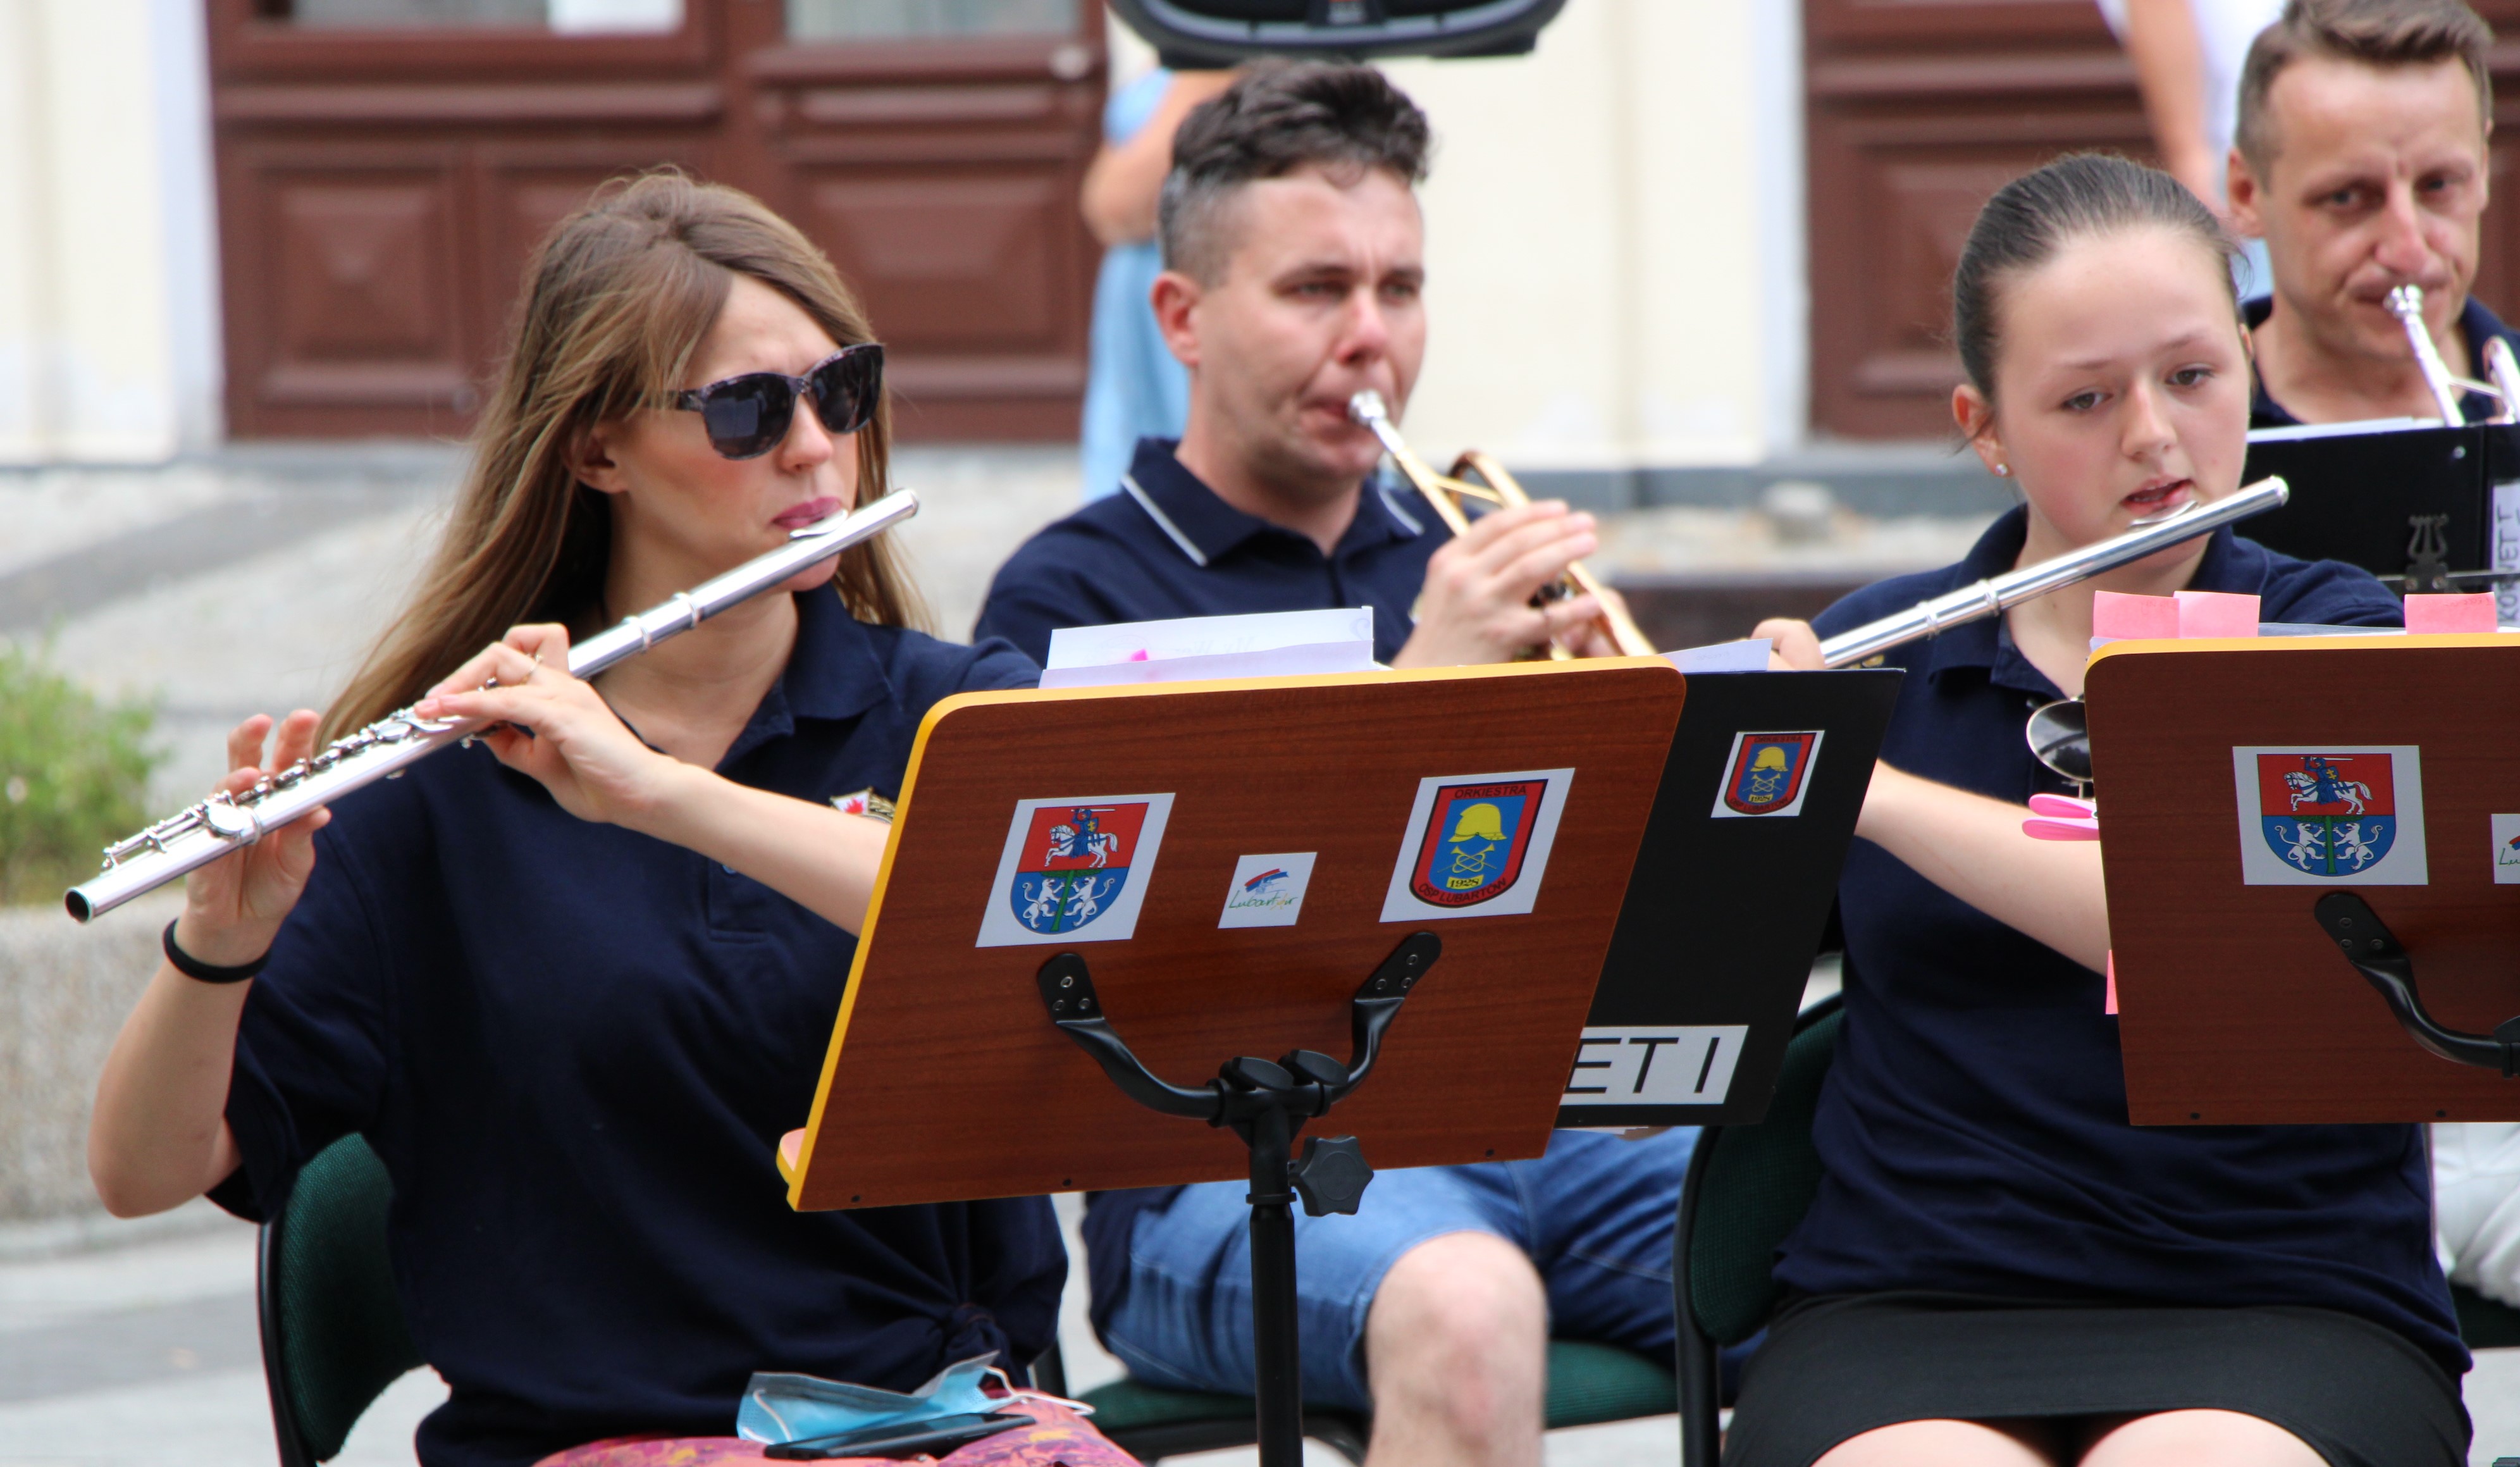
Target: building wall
(1615, 241)
(1614, 238)
(107, 354)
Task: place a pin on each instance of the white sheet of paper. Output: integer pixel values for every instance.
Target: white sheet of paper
(1207, 636)
(1277, 661)
(1263, 644)
(1746, 656)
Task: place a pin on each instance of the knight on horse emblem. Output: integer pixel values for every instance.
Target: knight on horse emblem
(1075, 863)
(2328, 814)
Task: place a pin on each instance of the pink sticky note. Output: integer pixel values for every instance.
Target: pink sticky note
(2120, 614)
(2449, 613)
(2217, 613)
(2111, 1006)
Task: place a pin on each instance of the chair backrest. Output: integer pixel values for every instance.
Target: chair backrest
(332, 1333)
(1755, 1184)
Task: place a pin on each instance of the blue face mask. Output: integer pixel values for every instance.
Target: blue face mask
(780, 1408)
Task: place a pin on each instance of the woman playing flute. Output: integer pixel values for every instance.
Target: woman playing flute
(1998, 1270)
(573, 985)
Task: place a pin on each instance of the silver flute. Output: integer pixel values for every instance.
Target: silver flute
(226, 822)
(1988, 597)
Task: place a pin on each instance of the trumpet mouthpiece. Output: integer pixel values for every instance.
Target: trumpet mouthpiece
(1366, 407)
(2406, 302)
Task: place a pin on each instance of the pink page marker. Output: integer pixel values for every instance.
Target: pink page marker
(2217, 613)
(2427, 614)
(2121, 613)
(2112, 1006)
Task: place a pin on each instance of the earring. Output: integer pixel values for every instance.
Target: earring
(2003, 470)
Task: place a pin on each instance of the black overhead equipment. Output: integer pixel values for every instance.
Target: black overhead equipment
(1209, 35)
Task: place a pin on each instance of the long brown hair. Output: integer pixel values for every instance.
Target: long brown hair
(617, 300)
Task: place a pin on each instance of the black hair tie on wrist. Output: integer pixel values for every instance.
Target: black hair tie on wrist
(209, 973)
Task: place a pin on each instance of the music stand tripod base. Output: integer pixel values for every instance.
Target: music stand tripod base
(1265, 1104)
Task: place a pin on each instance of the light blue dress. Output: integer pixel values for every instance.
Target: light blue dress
(1133, 388)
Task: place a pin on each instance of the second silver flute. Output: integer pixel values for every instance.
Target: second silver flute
(1988, 597)
(224, 823)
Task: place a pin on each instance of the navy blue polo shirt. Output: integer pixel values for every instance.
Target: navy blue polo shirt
(1973, 1129)
(1166, 546)
(2475, 322)
(575, 1048)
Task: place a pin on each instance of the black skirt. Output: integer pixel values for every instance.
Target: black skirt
(1836, 1366)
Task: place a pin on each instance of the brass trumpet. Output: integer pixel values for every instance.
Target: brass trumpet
(1476, 476)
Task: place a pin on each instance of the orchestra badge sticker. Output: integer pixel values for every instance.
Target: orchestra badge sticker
(2319, 816)
(1477, 845)
(1267, 890)
(2507, 850)
(1768, 774)
(1074, 870)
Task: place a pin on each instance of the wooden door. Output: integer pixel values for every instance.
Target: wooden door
(1917, 111)
(386, 166)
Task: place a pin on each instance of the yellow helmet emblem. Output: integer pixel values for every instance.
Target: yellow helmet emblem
(1480, 821)
(1769, 757)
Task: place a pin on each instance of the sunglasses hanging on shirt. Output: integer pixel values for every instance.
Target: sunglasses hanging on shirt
(747, 415)
(2059, 735)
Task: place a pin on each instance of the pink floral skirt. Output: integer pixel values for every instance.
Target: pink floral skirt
(1057, 1437)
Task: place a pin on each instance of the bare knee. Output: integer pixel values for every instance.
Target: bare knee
(1937, 1444)
(2207, 1439)
(1460, 1326)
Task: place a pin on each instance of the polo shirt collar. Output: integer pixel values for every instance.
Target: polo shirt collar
(2229, 565)
(832, 673)
(2478, 323)
(1205, 528)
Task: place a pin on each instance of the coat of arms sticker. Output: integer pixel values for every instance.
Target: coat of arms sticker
(2318, 815)
(1074, 870)
(1477, 845)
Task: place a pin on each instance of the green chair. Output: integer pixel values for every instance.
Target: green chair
(1747, 1187)
(333, 1335)
(2483, 1324)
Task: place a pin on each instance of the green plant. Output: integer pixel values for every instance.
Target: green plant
(73, 775)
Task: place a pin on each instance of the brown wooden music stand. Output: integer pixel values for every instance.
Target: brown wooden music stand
(1473, 827)
(2256, 794)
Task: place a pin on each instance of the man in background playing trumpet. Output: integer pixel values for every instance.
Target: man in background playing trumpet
(2361, 157)
(1292, 243)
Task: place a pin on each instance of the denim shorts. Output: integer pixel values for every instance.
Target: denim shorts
(1595, 1214)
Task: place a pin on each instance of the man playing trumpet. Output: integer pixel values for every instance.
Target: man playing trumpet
(2361, 157)
(1294, 267)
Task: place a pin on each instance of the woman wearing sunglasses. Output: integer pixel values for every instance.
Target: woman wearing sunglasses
(1998, 1270)
(573, 984)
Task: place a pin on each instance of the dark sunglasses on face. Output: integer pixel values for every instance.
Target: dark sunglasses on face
(747, 416)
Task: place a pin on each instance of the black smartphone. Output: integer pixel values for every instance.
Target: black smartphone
(902, 1438)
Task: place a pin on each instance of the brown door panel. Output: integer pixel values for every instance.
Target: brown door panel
(344, 288)
(381, 193)
(1891, 202)
(528, 187)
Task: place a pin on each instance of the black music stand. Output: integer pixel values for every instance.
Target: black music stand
(1713, 1003)
(2412, 503)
